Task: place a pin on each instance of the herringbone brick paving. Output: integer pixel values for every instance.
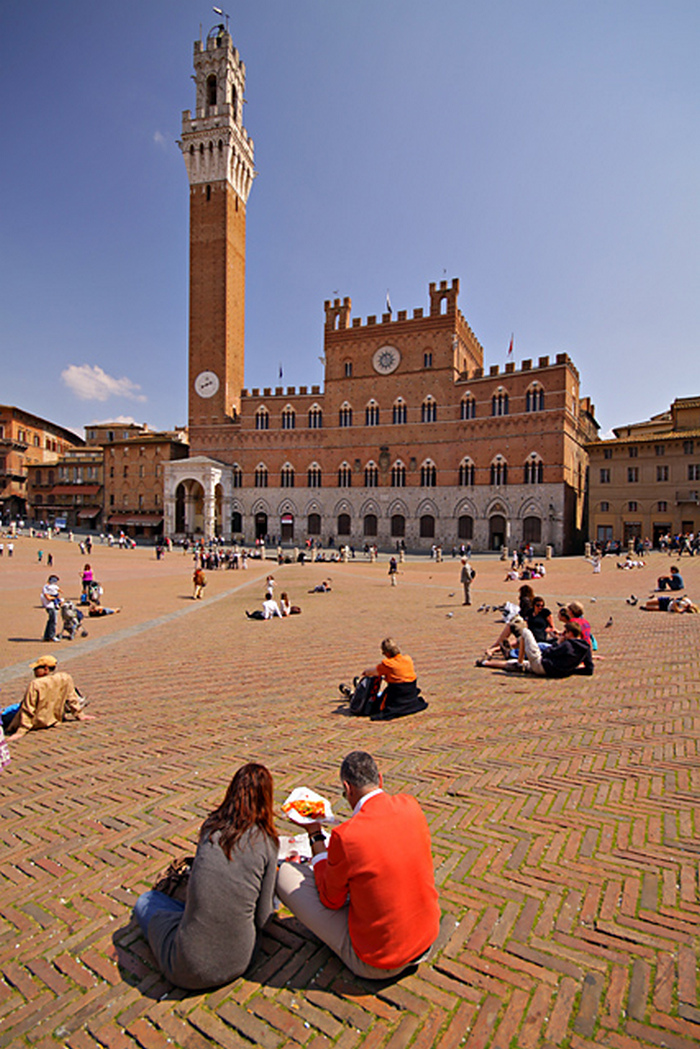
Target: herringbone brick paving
(563, 814)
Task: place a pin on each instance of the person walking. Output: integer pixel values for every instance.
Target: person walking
(393, 571)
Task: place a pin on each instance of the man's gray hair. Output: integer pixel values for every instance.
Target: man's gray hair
(359, 769)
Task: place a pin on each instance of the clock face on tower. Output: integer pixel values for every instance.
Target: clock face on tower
(206, 384)
(386, 359)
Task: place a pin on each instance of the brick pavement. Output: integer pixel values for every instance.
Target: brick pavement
(563, 814)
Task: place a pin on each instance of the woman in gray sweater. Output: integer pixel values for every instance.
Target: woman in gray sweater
(210, 940)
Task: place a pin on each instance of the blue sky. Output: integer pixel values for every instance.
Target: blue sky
(546, 152)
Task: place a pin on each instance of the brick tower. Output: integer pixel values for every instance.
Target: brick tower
(219, 158)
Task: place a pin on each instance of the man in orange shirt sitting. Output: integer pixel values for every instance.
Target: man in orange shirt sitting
(370, 893)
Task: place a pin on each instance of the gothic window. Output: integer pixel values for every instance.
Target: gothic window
(428, 475)
(372, 414)
(427, 526)
(499, 471)
(343, 524)
(398, 526)
(287, 476)
(313, 524)
(466, 473)
(345, 415)
(211, 90)
(262, 419)
(288, 418)
(313, 476)
(427, 359)
(236, 476)
(465, 527)
(499, 403)
(398, 475)
(344, 476)
(371, 475)
(348, 369)
(533, 471)
(315, 417)
(467, 408)
(370, 524)
(398, 412)
(261, 476)
(534, 398)
(428, 413)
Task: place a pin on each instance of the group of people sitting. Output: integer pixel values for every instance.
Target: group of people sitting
(531, 643)
(270, 608)
(368, 892)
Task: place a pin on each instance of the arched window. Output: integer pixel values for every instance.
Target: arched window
(211, 90)
(398, 475)
(466, 473)
(533, 471)
(532, 530)
(344, 476)
(371, 475)
(499, 471)
(236, 476)
(428, 359)
(262, 419)
(236, 521)
(288, 418)
(428, 411)
(313, 524)
(313, 476)
(398, 526)
(50, 477)
(467, 408)
(345, 415)
(369, 524)
(372, 414)
(427, 526)
(465, 527)
(287, 476)
(428, 475)
(348, 368)
(398, 412)
(315, 417)
(534, 398)
(37, 477)
(499, 402)
(343, 524)
(261, 476)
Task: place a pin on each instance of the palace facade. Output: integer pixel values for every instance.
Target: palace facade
(409, 439)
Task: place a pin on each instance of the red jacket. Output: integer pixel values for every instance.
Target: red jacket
(381, 860)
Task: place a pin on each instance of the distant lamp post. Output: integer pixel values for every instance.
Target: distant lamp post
(219, 11)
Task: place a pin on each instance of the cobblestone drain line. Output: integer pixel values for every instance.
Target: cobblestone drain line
(88, 647)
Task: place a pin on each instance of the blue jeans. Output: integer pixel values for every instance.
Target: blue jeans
(50, 631)
(151, 903)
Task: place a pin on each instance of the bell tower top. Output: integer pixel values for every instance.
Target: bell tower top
(215, 145)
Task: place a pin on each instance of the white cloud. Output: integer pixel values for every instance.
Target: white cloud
(159, 139)
(89, 382)
(120, 420)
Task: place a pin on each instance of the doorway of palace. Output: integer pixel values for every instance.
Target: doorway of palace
(497, 532)
(287, 526)
(260, 525)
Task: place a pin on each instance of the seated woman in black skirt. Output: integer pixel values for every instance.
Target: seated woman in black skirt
(401, 695)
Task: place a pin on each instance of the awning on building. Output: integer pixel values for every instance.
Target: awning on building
(147, 520)
(76, 489)
(89, 513)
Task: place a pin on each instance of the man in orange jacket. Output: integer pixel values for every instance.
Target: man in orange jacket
(370, 894)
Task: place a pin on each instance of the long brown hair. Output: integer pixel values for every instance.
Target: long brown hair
(248, 803)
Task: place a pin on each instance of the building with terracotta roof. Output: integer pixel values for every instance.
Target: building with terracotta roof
(27, 440)
(645, 481)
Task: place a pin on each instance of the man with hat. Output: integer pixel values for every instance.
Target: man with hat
(48, 699)
(51, 601)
